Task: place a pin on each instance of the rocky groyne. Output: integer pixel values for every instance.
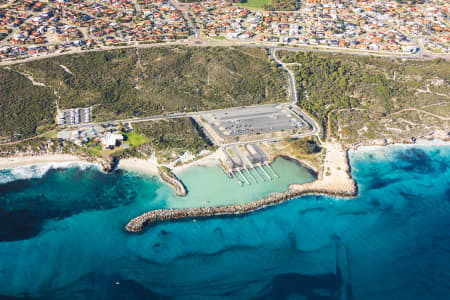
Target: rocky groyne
(160, 215)
(173, 181)
(334, 180)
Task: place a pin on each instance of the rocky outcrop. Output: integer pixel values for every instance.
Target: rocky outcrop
(173, 181)
(441, 135)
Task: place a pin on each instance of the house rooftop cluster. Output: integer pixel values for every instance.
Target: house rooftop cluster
(367, 25)
(61, 25)
(33, 28)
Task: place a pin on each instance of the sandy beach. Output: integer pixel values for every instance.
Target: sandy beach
(144, 166)
(335, 179)
(19, 161)
(206, 161)
(150, 166)
(335, 175)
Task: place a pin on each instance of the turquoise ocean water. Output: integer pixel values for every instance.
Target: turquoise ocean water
(63, 234)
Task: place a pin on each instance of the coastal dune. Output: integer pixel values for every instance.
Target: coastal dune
(335, 177)
(334, 180)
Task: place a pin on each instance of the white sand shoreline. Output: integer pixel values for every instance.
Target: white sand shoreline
(418, 142)
(334, 176)
(334, 180)
(21, 161)
(206, 161)
(150, 166)
(143, 166)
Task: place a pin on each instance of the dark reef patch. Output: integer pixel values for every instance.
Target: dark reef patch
(409, 195)
(286, 286)
(25, 297)
(105, 287)
(414, 160)
(15, 186)
(25, 205)
(312, 209)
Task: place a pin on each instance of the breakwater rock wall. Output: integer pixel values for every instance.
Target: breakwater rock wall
(173, 181)
(160, 215)
(334, 180)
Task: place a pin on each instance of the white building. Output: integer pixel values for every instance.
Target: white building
(110, 139)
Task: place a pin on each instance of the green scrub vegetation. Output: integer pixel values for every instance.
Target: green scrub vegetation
(25, 109)
(369, 91)
(143, 82)
(282, 5)
(271, 5)
(305, 146)
(169, 137)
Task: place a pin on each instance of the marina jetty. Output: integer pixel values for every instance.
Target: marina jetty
(334, 180)
(168, 176)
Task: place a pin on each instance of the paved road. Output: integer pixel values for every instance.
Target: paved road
(293, 94)
(182, 8)
(15, 30)
(293, 105)
(272, 50)
(170, 116)
(217, 43)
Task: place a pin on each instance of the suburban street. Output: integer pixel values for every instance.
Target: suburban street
(216, 43)
(182, 8)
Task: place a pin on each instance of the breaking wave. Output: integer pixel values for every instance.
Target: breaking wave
(37, 170)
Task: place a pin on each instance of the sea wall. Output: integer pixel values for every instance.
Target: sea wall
(336, 181)
(174, 182)
(160, 215)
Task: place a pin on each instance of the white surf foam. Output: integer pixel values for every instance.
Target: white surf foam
(37, 170)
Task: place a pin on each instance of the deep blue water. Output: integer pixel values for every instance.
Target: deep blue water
(62, 237)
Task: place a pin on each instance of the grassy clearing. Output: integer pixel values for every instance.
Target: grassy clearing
(51, 134)
(135, 139)
(166, 171)
(258, 4)
(272, 5)
(94, 151)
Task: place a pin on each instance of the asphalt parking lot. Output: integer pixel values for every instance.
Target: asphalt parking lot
(253, 120)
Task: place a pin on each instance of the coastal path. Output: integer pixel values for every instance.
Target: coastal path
(293, 95)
